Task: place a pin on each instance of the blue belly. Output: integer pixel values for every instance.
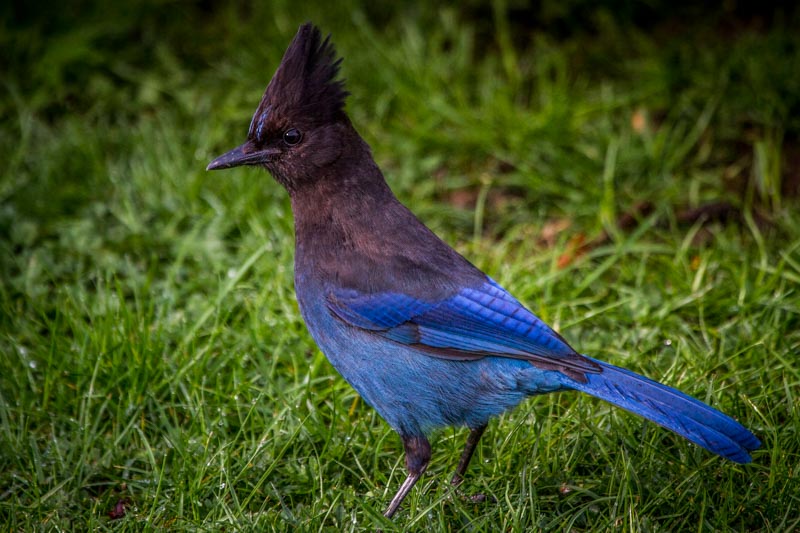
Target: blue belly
(416, 392)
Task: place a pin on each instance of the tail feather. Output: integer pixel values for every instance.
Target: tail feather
(686, 416)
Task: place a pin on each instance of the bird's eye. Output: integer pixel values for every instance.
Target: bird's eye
(292, 136)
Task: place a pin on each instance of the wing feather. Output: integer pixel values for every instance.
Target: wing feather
(473, 323)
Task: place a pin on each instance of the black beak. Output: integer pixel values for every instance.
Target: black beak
(230, 159)
(238, 157)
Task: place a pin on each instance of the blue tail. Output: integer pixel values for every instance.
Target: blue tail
(690, 418)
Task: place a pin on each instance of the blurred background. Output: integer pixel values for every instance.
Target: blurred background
(525, 92)
(642, 158)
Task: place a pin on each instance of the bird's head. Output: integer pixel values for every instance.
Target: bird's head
(298, 127)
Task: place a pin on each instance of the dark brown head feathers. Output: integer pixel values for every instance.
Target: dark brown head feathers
(304, 85)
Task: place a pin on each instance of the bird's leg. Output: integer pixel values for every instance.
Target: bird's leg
(466, 455)
(418, 454)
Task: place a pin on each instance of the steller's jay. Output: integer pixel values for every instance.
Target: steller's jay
(426, 338)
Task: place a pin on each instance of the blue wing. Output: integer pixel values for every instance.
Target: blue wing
(473, 323)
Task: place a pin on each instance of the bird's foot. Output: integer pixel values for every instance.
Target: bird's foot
(478, 498)
(471, 498)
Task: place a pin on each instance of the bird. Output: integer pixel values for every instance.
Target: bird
(425, 337)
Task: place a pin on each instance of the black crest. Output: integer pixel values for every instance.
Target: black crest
(305, 84)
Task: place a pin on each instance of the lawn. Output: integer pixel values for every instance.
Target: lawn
(630, 172)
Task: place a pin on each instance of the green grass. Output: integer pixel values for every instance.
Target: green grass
(153, 355)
